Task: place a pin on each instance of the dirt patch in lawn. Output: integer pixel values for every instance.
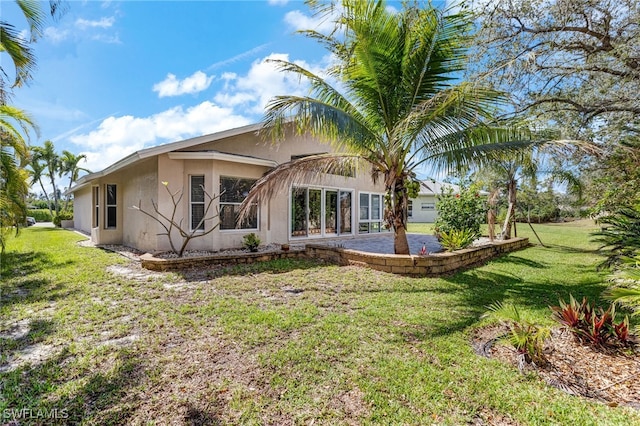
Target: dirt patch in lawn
(608, 376)
(196, 382)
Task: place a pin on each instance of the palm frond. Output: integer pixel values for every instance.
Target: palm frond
(303, 171)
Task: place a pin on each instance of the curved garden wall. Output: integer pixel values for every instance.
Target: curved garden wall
(431, 265)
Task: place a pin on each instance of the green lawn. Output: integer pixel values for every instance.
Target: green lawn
(280, 342)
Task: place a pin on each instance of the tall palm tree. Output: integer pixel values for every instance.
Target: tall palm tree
(49, 158)
(401, 104)
(37, 173)
(71, 168)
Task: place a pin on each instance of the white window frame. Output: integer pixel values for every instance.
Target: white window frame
(95, 201)
(108, 206)
(192, 203)
(323, 212)
(369, 220)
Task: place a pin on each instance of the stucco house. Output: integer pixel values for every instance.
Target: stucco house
(226, 163)
(423, 207)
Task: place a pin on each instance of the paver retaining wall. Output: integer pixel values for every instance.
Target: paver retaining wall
(156, 264)
(432, 265)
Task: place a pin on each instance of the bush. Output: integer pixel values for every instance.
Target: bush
(594, 326)
(457, 239)
(527, 338)
(465, 211)
(251, 242)
(62, 216)
(40, 215)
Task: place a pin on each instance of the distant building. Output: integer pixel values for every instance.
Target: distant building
(423, 207)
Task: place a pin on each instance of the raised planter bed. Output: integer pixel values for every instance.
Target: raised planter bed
(431, 265)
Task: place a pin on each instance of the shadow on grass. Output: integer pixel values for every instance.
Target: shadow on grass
(100, 399)
(568, 249)
(37, 332)
(21, 264)
(33, 290)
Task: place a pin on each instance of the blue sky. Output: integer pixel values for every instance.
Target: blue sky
(116, 77)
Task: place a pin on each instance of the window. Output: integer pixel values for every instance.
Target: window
(96, 207)
(370, 213)
(111, 206)
(196, 202)
(317, 212)
(410, 208)
(345, 212)
(428, 206)
(233, 191)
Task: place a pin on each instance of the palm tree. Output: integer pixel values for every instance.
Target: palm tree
(14, 154)
(47, 158)
(70, 167)
(502, 169)
(17, 48)
(402, 104)
(37, 173)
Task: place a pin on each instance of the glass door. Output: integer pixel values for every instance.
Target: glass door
(345, 212)
(299, 212)
(315, 211)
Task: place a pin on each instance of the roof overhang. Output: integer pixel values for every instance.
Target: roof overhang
(163, 149)
(221, 156)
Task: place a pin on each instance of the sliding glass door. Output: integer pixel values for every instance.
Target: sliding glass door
(320, 212)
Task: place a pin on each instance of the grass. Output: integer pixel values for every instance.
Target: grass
(283, 342)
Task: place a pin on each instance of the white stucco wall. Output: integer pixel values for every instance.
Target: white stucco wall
(424, 215)
(82, 210)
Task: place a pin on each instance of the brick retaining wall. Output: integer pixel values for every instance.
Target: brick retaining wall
(431, 265)
(156, 264)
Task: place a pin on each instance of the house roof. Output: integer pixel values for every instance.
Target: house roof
(433, 187)
(179, 146)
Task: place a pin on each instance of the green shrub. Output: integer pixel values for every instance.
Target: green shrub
(527, 338)
(461, 212)
(62, 216)
(251, 242)
(40, 215)
(456, 239)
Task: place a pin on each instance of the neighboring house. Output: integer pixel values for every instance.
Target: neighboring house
(423, 207)
(228, 162)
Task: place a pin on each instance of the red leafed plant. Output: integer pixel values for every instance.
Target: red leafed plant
(595, 326)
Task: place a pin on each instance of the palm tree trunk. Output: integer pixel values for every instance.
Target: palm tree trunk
(506, 228)
(399, 201)
(491, 213)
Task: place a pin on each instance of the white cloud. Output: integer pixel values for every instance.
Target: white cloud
(239, 56)
(278, 2)
(101, 23)
(171, 86)
(240, 101)
(263, 81)
(299, 21)
(56, 35)
(117, 137)
(323, 22)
